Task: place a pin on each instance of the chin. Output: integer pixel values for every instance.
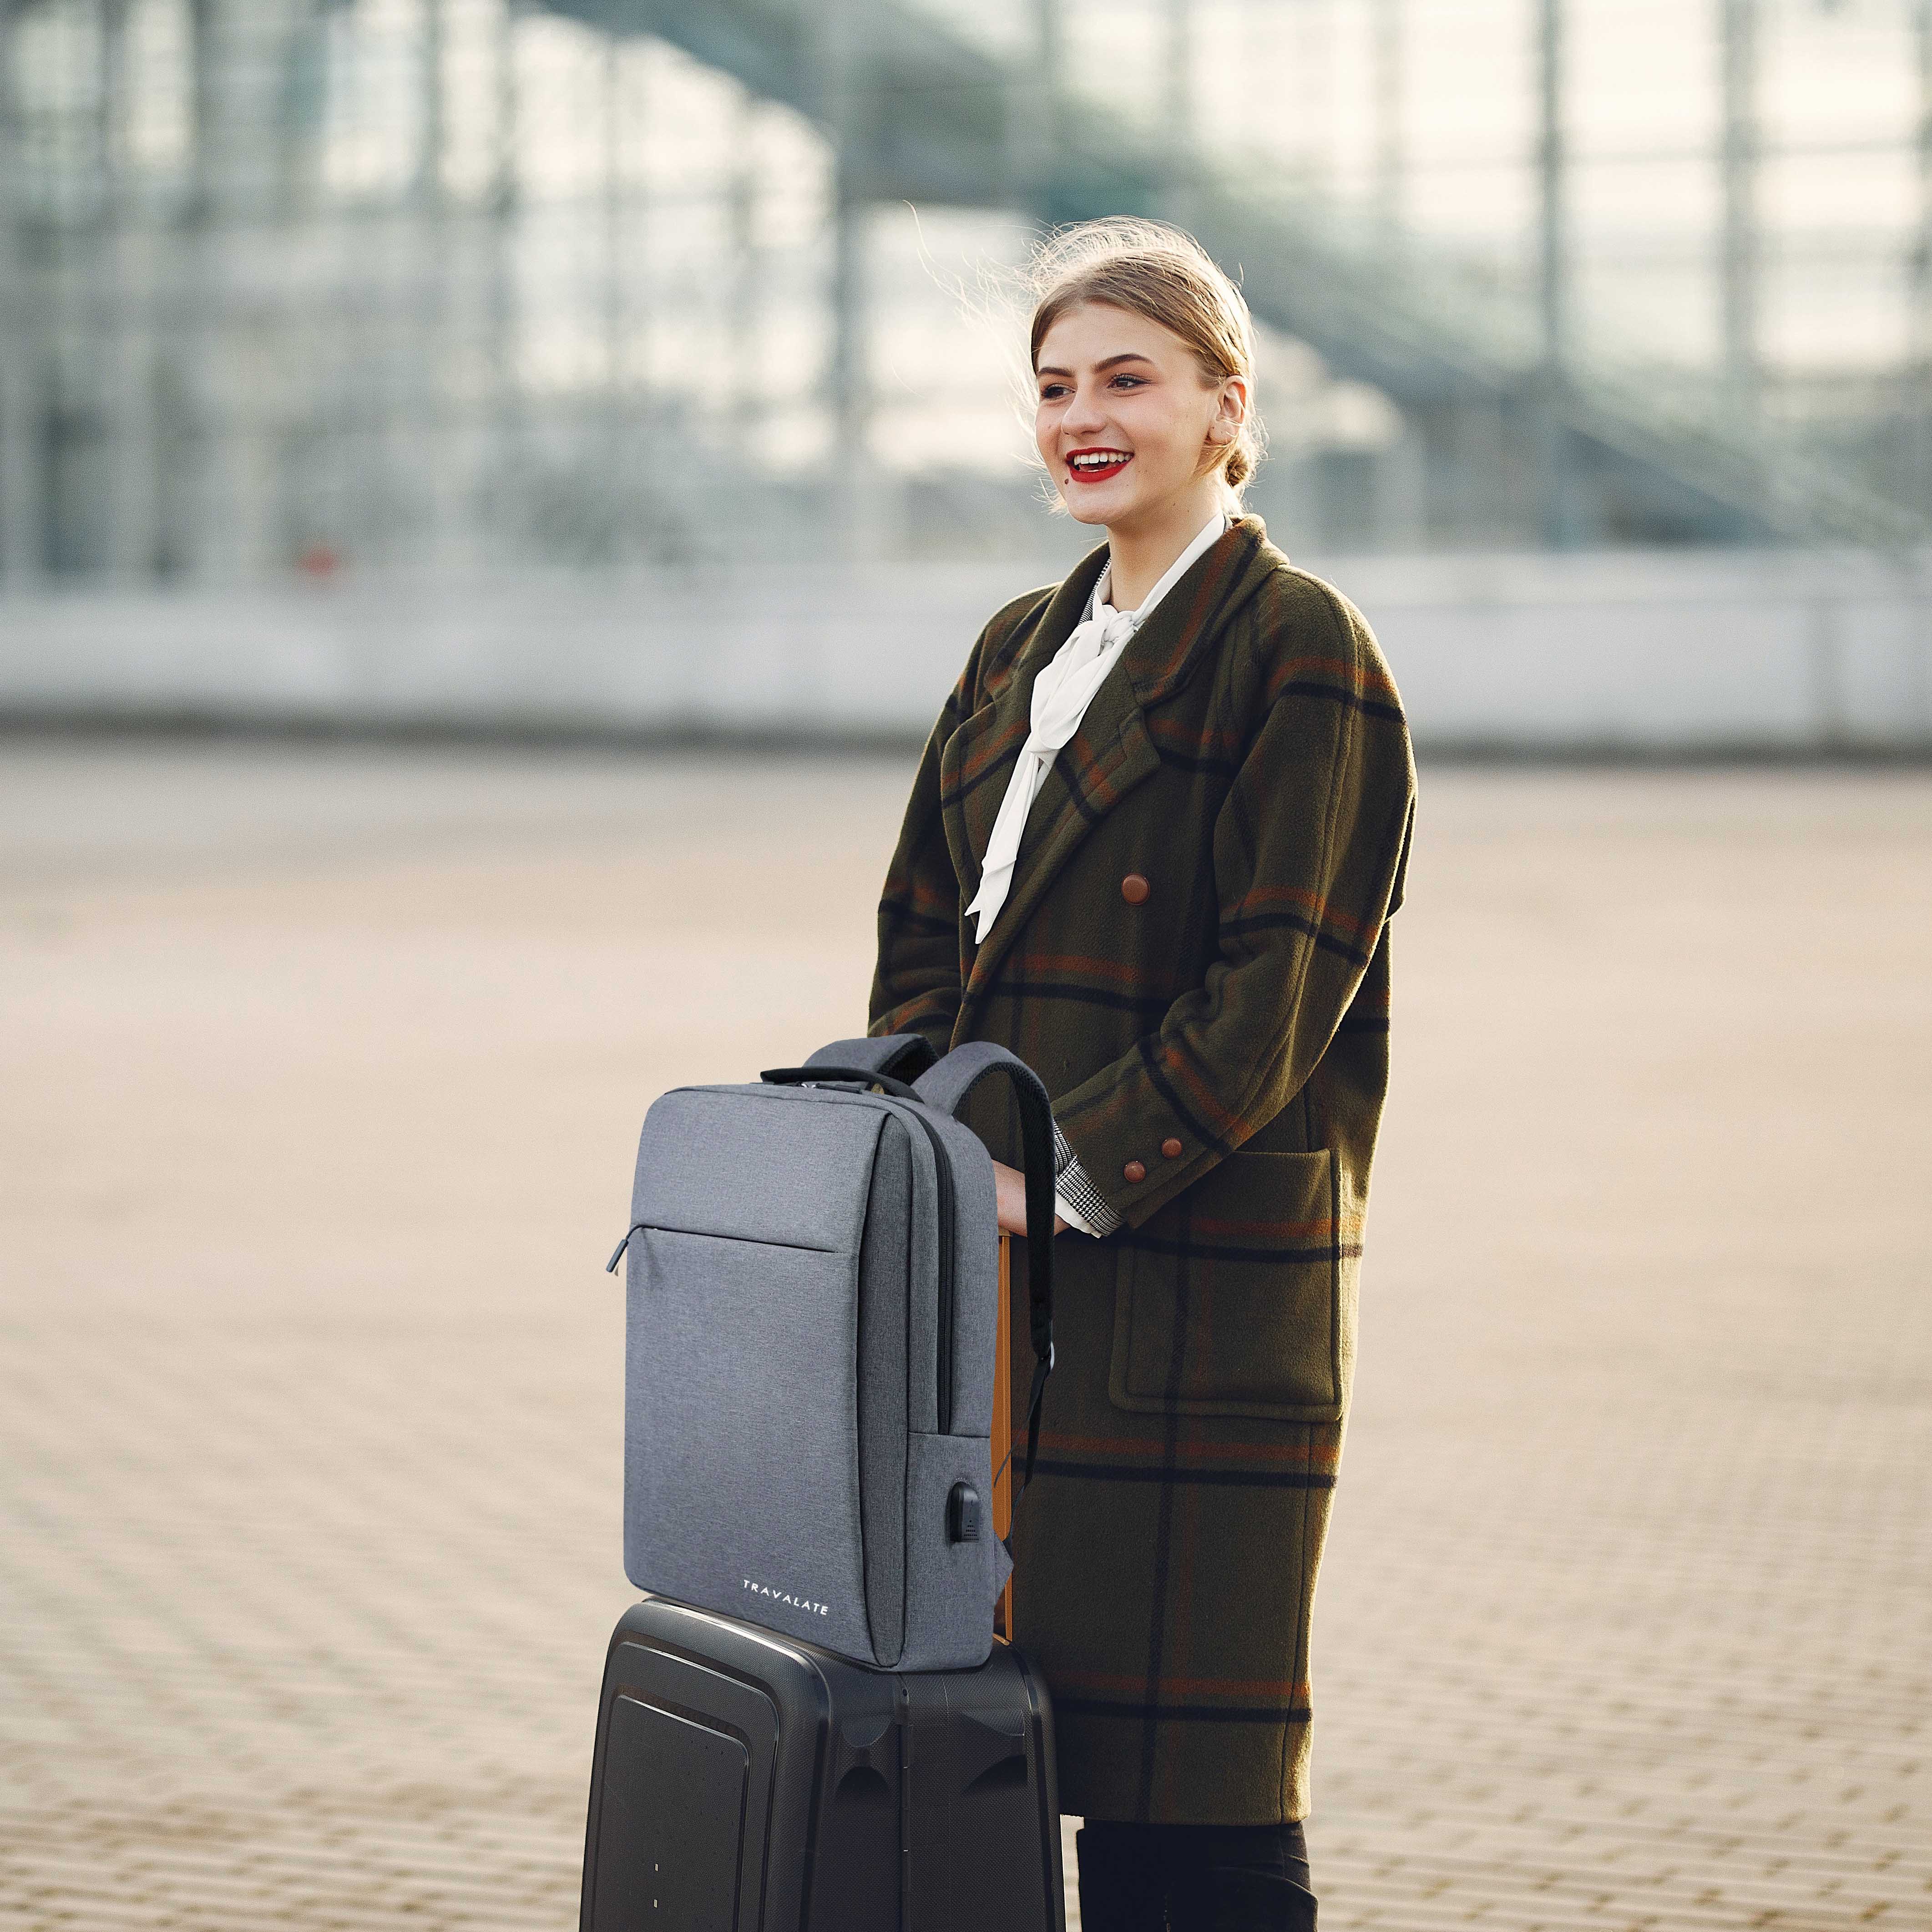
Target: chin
(1086, 513)
(1099, 510)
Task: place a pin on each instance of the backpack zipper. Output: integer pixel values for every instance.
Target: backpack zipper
(944, 1167)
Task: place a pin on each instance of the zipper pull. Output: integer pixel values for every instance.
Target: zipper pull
(617, 1254)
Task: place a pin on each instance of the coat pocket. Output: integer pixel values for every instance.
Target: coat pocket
(1239, 1298)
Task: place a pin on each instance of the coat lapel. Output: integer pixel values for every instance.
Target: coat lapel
(1109, 755)
(977, 760)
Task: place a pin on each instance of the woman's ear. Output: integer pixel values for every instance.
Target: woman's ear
(1230, 410)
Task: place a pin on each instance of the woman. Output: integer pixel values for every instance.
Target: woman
(1152, 846)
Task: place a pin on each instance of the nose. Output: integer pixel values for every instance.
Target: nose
(1084, 417)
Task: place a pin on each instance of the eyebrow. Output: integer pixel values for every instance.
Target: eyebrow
(1126, 355)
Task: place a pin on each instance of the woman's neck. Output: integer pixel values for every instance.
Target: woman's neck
(1142, 551)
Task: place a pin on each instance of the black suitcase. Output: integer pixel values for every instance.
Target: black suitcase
(747, 1782)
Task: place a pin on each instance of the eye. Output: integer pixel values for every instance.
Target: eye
(1052, 392)
(1129, 382)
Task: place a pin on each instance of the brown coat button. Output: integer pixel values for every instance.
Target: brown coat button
(1134, 1171)
(1134, 888)
(1170, 1146)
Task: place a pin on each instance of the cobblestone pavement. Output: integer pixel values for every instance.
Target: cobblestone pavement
(322, 1070)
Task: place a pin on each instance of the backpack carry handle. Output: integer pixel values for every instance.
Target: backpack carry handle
(945, 1087)
(908, 1055)
(869, 1076)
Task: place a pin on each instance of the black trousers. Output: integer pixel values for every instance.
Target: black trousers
(1194, 1878)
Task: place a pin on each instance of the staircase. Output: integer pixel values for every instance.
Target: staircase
(1605, 450)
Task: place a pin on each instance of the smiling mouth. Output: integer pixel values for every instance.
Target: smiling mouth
(1094, 466)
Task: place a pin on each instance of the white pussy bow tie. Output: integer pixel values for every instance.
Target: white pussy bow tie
(1061, 692)
(1062, 689)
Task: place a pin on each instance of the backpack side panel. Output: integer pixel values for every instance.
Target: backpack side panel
(886, 1273)
(950, 1587)
(977, 1260)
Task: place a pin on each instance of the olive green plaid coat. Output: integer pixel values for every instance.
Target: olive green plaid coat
(1216, 1050)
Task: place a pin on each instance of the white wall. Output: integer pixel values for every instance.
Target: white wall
(1710, 651)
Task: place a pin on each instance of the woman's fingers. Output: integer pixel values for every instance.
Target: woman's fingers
(1011, 1184)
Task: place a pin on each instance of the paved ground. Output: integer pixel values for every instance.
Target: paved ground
(320, 1075)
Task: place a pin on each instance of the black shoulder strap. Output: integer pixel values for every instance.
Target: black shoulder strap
(906, 1054)
(945, 1087)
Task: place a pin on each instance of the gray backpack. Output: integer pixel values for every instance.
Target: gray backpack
(812, 1300)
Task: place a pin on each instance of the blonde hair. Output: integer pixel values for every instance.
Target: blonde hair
(1153, 269)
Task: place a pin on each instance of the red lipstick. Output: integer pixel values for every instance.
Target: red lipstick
(1096, 466)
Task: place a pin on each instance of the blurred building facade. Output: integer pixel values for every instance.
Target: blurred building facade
(308, 292)
(292, 284)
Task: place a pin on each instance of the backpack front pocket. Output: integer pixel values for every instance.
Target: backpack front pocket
(1238, 1299)
(741, 1473)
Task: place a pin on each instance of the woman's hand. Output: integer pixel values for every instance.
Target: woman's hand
(1011, 1186)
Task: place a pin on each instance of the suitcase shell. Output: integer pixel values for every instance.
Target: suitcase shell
(745, 1781)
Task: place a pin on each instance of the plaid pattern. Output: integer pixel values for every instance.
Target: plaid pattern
(1072, 1188)
(1216, 1053)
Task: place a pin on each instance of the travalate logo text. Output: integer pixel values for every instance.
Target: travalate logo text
(786, 1596)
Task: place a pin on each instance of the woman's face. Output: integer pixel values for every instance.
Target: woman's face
(1124, 419)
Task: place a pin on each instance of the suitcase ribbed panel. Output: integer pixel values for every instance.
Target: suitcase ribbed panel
(769, 1786)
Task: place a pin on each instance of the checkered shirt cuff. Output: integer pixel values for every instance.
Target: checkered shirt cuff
(1078, 1200)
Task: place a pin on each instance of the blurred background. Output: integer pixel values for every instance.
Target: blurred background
(492, 498)
(458, 359)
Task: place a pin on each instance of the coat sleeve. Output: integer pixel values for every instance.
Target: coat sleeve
(1309, 848)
